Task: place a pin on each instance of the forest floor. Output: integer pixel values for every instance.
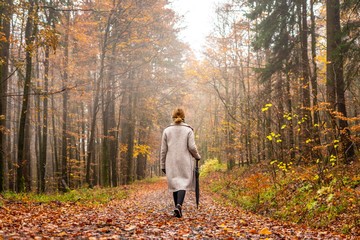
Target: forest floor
(146, 213)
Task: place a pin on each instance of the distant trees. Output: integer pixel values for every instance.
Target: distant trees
(86, 88)
(267, 68)
(81, 88)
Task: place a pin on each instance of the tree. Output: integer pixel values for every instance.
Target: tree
(50, 41)
(335, 85)
(5, 17)
(23, 171)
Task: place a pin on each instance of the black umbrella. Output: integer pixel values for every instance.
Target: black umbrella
(197, 187)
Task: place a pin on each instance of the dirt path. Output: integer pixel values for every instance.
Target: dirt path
(145, 214)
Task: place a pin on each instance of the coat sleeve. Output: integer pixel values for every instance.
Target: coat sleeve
(163, 150)
(192, 146)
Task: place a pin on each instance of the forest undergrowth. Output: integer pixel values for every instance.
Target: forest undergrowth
(331, 202)
(143, 210)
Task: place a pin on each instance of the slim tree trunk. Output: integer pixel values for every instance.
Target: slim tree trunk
(91, 145)
(43, 147)
(142, 158)
(127, 132)
(314, 87)
(105, 162)
(56, 160)
(5, 16)
(305, 82)
(64, 139)
(23, 163)
(113, 134)
(290, 128)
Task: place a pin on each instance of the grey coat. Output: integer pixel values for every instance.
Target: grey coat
(177, 154)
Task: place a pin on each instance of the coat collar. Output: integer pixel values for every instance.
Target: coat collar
(181, 124)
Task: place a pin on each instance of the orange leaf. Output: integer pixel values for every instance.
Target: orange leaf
(265, 231)
(252, 231)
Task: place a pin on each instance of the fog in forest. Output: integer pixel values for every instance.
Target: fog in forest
(87, 87)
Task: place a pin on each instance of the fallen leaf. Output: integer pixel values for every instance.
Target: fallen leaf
(265, 231)
(130, 228)
(253, 231)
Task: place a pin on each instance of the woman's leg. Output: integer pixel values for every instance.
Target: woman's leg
(180, 197)
(175, 196)
(179, 200)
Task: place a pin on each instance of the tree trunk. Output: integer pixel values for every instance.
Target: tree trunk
(333, 40)
(23, 164)
(113, 139)
(142, 158)
(56, 158)
(43, 147)
(64, 138)
(127, 133)
(305, 82)
(5, 16)
(314, 86)
(335, 86)
(109, 123)
(91, 146)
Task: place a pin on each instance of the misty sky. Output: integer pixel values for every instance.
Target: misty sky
(199, 15)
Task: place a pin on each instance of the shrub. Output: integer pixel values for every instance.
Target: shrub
(212, 165)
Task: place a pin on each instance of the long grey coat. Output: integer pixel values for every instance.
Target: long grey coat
(177, 154)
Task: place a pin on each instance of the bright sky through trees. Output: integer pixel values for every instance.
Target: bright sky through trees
(198, 20)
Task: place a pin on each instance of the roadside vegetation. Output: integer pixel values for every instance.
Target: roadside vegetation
(84, 196)
(295, 194)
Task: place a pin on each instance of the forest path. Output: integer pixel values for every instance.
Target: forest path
(145, 214)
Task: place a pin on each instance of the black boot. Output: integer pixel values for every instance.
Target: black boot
(177, 211)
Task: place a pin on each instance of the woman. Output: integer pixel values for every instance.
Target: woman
(178, 151)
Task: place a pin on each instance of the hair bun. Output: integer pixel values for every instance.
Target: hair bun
(178, 120)
(178, 115)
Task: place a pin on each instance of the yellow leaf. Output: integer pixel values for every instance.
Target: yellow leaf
(265, 231)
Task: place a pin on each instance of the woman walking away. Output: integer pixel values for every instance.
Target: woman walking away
(177, 154)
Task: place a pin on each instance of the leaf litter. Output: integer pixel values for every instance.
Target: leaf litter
(145, 214)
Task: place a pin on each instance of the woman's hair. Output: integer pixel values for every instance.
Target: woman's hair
(178, 115)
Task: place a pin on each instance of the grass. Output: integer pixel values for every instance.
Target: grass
(297, 196)
(84, 195)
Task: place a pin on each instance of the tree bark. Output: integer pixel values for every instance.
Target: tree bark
(305, 82)
(91, 146)
(24, 164)
(142, 158)
(127, 132)
(314, 86)
(5, 17)
(64, 138)
(335, 86)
